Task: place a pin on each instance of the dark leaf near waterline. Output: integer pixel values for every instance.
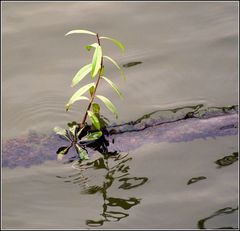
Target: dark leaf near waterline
(196, 179)
(81, 152)
(227, 160)
(130, 64)
(63, 150)
(94, 135)
(62, 133)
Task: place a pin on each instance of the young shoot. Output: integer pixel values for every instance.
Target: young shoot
(80, 134)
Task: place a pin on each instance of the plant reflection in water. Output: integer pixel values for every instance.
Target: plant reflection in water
(227, 210)
(117, 169)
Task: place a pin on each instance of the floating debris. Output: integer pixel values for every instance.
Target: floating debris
(196, 179)
(227, 160)
(130, 64)
(166, 125)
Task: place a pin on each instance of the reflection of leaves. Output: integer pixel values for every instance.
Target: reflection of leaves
(227, 210)
(113, 163)
(196, 179)
(93, 189)
(137, 181)
(94, 223)
(99, 164)
(117, 215)
(123, 203)
(227, 160)
(130, 64)
(227, 227)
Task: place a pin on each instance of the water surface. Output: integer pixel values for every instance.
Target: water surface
(189, 56)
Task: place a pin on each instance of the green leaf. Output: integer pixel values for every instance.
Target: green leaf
(79, 98)
(115, 63)
(120, 45)
(103, 121)
(94, 135)
(80, 32)
(62, 132)
(102, 71)
(94, 119)
(74, 129)
(78, 95)
(81, 74)
(89, 47)
(60, 156)
(112, 85)
(91, 90)
(108, 104)
(80, 131)
(96, 61)
(63, 150)
(82, 152)
(96, 108)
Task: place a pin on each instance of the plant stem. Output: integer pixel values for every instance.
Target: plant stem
(95, 89)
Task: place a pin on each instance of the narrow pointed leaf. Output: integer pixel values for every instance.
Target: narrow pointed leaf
(80, 131)
(63, 150)
(96, 61)
(74, 129)
(89, 47)
(94, 135)
(78, 95)
(80, 32)
(60, 156)
(94, 119)
(108, 104)
(91, 90)
(96, 108)
(112, 85)
(81, 74)
(120, 45)
(77, 99)
(115, 63)
(62, 132)
(82, 152)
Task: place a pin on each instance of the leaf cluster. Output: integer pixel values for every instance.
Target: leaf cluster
(77, 138)
(79, 135)
(93, 69)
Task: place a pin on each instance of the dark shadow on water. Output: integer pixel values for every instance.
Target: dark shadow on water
(130, 64)
(196, 179)
(116, 167)
(227, 160)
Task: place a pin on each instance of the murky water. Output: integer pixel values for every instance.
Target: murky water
(189, 56)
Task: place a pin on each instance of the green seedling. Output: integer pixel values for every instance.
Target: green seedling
(96, 73)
